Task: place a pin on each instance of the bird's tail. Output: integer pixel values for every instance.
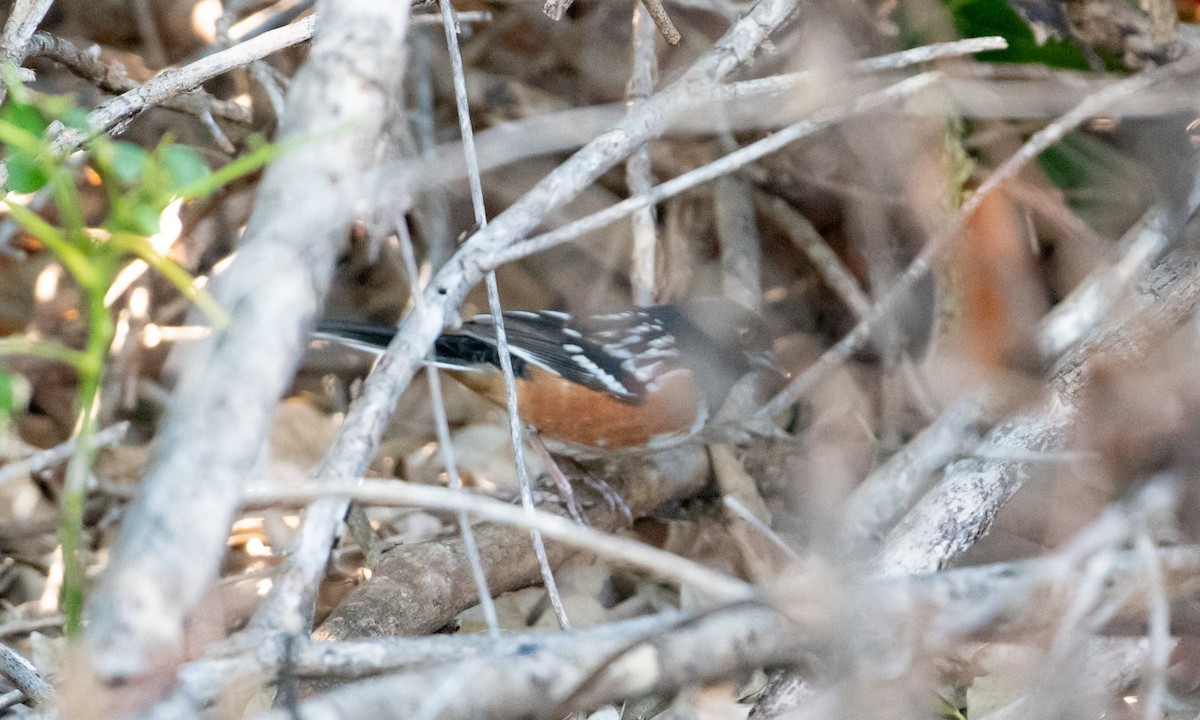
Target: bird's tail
(451, 352)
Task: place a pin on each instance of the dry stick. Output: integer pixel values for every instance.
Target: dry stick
(25, 676)
(1002, 601)
(1044, 138)
(743, 156)
(353, 659)
(611, 547)
(11, 698)
(112, 77)
(637, 168)
(1159, 624)
(396, 600)
(529, 682)
(891, 489)
(515, 429)
(446, 444)
(737, 236)
(662, 21)
(25, 626)
(176, 81)
(891, 61)
(256, 70)
(22, 23)
(432, 208)
(1140, 246)
(59, 454)
(173, 537)
(824, 259)
(952, 516)
(23, 20)
(959, 510)
(143, 16)
(559, 131)
(999, 600)
(737, 507)
(289, 606)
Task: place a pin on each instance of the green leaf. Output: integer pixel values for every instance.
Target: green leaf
(120, 162)
(241, 167)
(76, 119)
(144, 220)
(1091, 172)
(25, 172)
(128, 162)
(979, 18)
(182, 166)
(14, 394)
(21, 139)
(76, 262)
(27, 117)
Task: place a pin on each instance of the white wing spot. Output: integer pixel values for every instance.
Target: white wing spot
(572, 332)
(571, 348)
(605, 379)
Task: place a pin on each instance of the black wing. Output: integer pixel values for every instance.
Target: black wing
(552, 341)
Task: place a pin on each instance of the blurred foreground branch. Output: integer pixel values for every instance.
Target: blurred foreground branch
(213, 434)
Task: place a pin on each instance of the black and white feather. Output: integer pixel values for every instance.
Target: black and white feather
(625, 354)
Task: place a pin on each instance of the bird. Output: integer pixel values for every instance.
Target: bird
(640, 378)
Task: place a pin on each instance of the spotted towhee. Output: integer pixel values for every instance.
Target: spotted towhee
(639, 378)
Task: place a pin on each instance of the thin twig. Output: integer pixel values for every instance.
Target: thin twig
(662, 21)
(112, 77)
(143, 16)
(23, 20)
(559, 529)
(1158, 622)
(558, 131)
(637, 168)
(916, 270)
(722, 166)
(873, 508)
(1091, 299)
(176, 81)
(59, 454)
(25, 676)
(515, 428)
(824, 259)
(737, 236)
(737, 507)
(446, 444)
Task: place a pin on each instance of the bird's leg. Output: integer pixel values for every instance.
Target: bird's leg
(611, 496)
(566, 493)
(606, 491)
